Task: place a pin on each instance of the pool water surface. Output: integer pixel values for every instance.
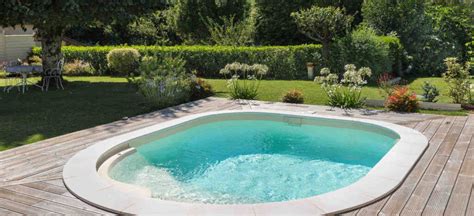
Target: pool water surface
(253, 161)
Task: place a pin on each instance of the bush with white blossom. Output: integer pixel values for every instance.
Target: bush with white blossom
(244, 80)
(164, 81)
(345, 93)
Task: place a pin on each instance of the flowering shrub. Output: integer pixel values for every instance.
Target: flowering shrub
(293, 96)
(457, 78)
(163, 81)
(247, 87)
(402, 100)
(78, 68)
(200, 88)
(346, 93)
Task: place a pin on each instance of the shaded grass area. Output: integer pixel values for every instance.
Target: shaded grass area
(86, 102)
(90, 101)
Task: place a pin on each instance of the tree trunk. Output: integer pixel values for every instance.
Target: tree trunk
(51, 42)
(325, 52)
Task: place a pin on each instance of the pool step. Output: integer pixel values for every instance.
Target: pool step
(294, 121)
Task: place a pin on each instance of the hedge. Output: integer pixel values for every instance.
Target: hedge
(285, 62)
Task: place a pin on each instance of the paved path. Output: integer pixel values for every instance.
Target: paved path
(440, 183)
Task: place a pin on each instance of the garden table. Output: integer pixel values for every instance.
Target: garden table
(23, 71)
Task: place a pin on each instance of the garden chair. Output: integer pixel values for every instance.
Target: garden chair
(54, 73)
(10, 79)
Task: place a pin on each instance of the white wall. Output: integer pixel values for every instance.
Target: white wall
(2, 45)
(15, 43)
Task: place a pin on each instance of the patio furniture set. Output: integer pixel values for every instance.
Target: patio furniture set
(17, 76)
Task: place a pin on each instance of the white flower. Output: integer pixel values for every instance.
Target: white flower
(325, 71)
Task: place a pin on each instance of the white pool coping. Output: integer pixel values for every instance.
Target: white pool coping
(81, 176)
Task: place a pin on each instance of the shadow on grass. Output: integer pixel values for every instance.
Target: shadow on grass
(36, 115)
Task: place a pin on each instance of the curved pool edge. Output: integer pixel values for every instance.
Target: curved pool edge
(82, 178)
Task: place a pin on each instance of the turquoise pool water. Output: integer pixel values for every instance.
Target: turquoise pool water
(252, 161)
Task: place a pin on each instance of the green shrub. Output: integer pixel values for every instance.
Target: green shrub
(430, 92)
(364, 48)
(284, 62)
(457, 77)
(78, 68)
(123, 61)
(34, 60)
(247, 87)
(189, 16)
(293, 96)
(163, 81)
(231, 32)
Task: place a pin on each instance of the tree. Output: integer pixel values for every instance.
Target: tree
(428, 33)
(191, 16)
(274, 25)
(323, 24)
(52, 18)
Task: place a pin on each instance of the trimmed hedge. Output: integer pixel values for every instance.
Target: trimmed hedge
(285, 62)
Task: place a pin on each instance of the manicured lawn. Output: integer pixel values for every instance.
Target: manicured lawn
(272, 90)
(91, 101)
(86, 102)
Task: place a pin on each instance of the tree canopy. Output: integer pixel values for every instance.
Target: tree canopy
(51, 18)
(323, 24)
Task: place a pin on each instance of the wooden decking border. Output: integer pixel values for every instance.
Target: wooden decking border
(442, 182)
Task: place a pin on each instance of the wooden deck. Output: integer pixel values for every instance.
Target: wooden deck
(442, 182)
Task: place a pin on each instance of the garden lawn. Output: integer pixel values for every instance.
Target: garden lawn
(273, 90)
(90, 101)
(86, 102)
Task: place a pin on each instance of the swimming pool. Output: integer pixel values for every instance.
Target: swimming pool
(243, 159)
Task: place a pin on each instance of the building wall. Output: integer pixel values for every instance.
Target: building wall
(2, 46)
(15, 43)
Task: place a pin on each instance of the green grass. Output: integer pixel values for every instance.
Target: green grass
(90, 101)
(272, 90)
(86, 102)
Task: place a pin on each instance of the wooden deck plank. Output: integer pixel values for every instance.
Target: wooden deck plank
(440, 196)
(68, 201)
(470, 207)
(67, 210)
(23, 209)
(57, 182)
(375, 207)
(459, 198)
(429, 131)
(437, 131)
(421, 194)
(6, 212)
(47, 187)
(40, 203)
(16, 197)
